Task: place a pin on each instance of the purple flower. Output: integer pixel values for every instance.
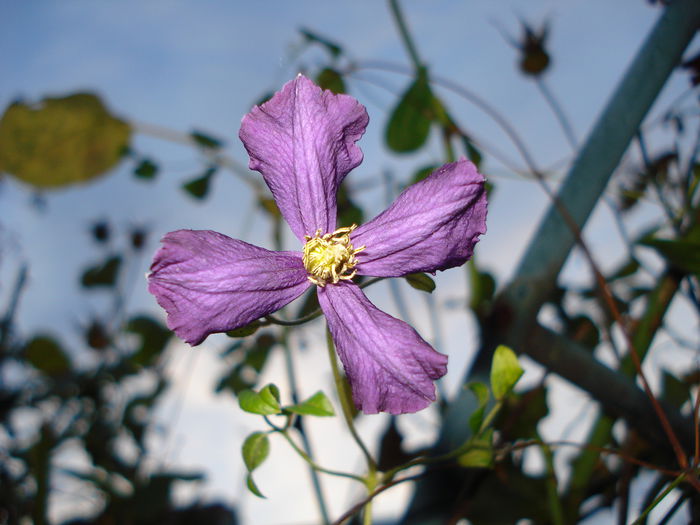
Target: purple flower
(302, 141)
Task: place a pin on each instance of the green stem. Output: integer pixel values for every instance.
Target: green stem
(642, 518)
(553, 499)
(307, 452)
(316, 466)
(405, 35)
(346, 404)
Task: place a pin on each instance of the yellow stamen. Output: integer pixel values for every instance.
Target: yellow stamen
(331, 257)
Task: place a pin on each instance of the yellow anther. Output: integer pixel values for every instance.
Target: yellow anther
(331, 257)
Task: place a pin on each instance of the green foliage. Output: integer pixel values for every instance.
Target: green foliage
(481, 391)
(153, 337)
(683, 254)
(102, 274)
(334, 49)
(266, 402)
(316, 405)
(249, 358)
(329, 78)
(146, 170)
(505, 372)
(423, 173)
(480, 453)
(409, 123)
(61, 141)
(199, 186)
(245, 331)
(206, 141)
(45, 354)
(421, 281)
(255, 450)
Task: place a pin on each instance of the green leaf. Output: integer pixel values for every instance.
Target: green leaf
(154, 336)
(255, 450)
(421, 281)
(348, 211)
(423, 173)
(334, 49)
(61, 141)
(316, 405)
(330, 79)
(266, 402)
(473, 153)
(103, 274)
(206, 141)
(46, 355)
(245, 331)
(480, 454)
(483, 287)
(481, 391)
(505, 372)
(146, 169)
(684, 254)
(409, 124)
(199, 187)
(675, 391)
(252, 486)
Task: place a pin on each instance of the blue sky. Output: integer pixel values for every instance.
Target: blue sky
(184, 65)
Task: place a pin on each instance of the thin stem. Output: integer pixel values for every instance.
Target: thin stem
(642, 518)
(405, 35)
(558, 112)
(553, 499)
(475, 99)
(307, 452)
(315, 466)
(345, 402)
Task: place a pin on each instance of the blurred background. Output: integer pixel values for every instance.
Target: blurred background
(100, 404)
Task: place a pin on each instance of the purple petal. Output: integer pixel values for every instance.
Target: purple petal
(303, 142)
(208, 282)
(433, 225)
(389, 366)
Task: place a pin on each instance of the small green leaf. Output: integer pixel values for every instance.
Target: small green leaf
(483, 287)
(421, 281)
(481, 391)
(409, 124)
(684, 254)
(199, 187)
(477, 458)
(103, 274)
(316, 405)
(348, 211)
(266, 402)
(334, 49)
(252, 486)
(206, 141)
(330, 79)
(146, 169)
(154, 336)
(480, 454)
(255, 450)
(675, 391)
(46, 355)
(423, 173)
(473, 153)
(505, 372)
(245, 331)
(61, 141)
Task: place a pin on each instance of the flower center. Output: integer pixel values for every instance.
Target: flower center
(331, 257)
